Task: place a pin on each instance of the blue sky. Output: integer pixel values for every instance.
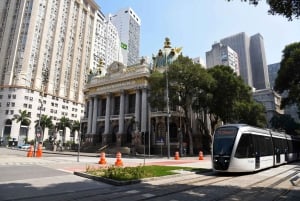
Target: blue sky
(195, 25)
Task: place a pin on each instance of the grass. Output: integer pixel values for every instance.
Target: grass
(134, 173)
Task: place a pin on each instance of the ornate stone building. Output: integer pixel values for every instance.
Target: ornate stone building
(118, 112)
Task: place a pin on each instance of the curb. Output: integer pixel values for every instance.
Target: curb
(106, 180)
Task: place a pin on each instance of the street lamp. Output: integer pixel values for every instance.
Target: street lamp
(79, 141)
(168, 106)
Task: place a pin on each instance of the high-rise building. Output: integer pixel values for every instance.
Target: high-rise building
(259, 66)
(45, 53)
(273, 70)
(240, 43)
(252, 59)
(128, 25)
(198, 60)
(106, 44)
(222, 55)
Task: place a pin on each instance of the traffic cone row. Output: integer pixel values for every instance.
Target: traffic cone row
(102, 160)
(30, 151)
(39, 152)
(119, 161)
(201, 155)
(176, 155)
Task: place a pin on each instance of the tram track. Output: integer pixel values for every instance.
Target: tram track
(163, 188)
(263, 187)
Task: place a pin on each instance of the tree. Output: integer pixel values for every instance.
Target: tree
(186, 79)
(286, 123)
(24, 118)
(232, 100)
(286, 8)
(45, 122)
(288, 78)
(75, 127)
(251, 113)
(64, 123)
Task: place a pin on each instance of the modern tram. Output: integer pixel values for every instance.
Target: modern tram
(243, 148)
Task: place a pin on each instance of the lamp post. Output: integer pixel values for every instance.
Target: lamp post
(79, 141)
(168, 106)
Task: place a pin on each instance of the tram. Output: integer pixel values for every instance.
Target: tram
(244, 148)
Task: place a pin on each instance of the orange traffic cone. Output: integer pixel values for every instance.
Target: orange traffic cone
(39, 151)
(176, 155)
(119, 161)
(30, 151)
(200, 155)
(102, 160)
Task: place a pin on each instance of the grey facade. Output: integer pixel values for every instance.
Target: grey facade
(240, 43)
(273, 70)
(260, 74)
(222, 55)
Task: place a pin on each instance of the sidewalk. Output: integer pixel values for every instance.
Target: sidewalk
(147, 160)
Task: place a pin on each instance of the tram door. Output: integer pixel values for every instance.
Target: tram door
(256, 139)
(257, 160)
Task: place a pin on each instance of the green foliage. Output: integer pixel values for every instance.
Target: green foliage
(251, 113)
(288, 78)
(157, 84)
(289, 9)
(45, 122)
(286, 123)
(133, 173)
(22, 117)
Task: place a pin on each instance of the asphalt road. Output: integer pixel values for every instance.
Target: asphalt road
(51, 178)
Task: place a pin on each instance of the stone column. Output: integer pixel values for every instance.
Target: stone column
(95, 109)
(144, 111)
(90, 116)
(120, 135)
(107, 114)
(122, 112)
(137, 107)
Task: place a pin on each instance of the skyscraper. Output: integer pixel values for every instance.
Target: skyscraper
(45, 53)
(240, 43)
(273, 70)
(106, 43)
(128, 25)
(252, 59)
(258, 62)
(222, 55)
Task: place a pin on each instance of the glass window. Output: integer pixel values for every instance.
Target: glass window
(245, 147)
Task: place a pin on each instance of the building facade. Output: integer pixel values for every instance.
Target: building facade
(240, 43)
(273, 70)
(291, 110)
(128, 25)
(45, 53)
(271, 101)
(259, 65)
(106, 43)
(118, 112)
(252, 59)
(222, 55)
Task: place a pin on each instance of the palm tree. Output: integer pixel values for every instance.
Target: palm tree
(24, 118)
(45, 122)
(75, 127)
(63, 123)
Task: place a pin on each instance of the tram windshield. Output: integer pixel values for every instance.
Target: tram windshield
(224, 140)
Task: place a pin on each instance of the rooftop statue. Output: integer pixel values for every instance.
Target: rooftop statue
(166, 55)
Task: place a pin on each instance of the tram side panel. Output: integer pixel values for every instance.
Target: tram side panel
(254, 152)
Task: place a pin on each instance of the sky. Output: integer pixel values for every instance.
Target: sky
(195, 25)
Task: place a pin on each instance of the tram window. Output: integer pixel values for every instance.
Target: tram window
(245, 147)
(290, 146)
(263, 145)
